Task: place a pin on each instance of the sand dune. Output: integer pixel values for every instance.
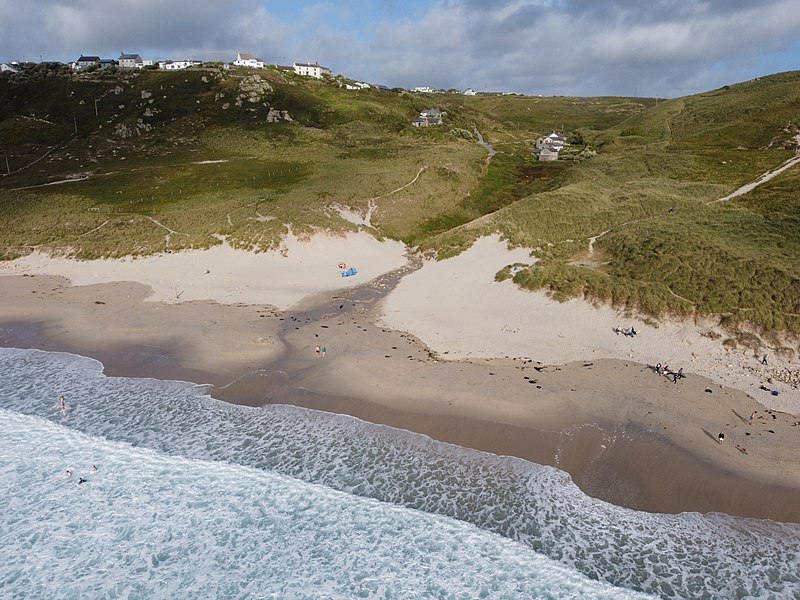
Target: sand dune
(228, 276)
(457, 308)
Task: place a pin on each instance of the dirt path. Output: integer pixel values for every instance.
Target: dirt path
(763, 178)
(489, 148)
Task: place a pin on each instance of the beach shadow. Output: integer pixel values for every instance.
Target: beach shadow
(740, 417)
(712, 436)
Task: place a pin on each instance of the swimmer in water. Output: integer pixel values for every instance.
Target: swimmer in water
(82, 480)
(93, 469)
(63, 402)
(68, 473)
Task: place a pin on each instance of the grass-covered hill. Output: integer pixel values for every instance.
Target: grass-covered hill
(108, 164)
(649, 200)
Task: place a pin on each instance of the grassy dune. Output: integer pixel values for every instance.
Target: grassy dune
(664, 246)
(175, 160)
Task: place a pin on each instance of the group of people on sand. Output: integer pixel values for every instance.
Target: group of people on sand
(628, 331)
(667, 372)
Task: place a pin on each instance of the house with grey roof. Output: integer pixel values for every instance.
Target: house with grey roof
(548, 147)
(428, 117)
(84, 62)
(132, 61)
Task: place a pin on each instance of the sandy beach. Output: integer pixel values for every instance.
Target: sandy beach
(442, 350)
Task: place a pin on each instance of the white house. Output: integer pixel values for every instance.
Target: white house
(424, 90)
(548, 147)
(176, 65)
(554, 141)
(469, 92)
(311, 70)
(357, 85)
(245, 59)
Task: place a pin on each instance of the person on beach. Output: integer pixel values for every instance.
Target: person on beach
(764, 360)
(752, 416)
(323, 351)
(68, 473)
(316, 350)
(658, 368)
(721, 438)
(680, 373)
(82, 480)
(93, 469)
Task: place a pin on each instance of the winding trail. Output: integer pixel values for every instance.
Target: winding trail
(489, 148)
(763, 178)
(103, 224)
(593, 239)
(372, 205)
(402, 187)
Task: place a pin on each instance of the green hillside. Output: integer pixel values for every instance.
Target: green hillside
(664, 245)
(109, 164)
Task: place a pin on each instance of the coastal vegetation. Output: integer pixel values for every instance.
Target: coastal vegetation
(109, 164)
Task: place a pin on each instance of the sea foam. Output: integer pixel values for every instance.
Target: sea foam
(150, 525)
(671, 556)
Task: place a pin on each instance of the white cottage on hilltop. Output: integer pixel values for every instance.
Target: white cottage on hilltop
(177, 65)
(245, 59)
(311, 70)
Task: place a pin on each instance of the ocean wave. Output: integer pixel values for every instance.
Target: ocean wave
(148, 525)
(671, 556)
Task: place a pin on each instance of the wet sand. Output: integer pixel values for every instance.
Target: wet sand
(625, 434)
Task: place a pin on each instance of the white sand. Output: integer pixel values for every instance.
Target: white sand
(457, 309)
(281, 279)
(454, 306)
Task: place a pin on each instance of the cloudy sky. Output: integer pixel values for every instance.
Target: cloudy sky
(662, 48)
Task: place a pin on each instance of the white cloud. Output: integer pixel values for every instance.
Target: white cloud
(585, 47)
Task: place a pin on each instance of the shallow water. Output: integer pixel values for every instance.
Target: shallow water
(287, 502)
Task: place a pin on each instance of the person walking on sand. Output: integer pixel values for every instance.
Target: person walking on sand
(764, 359)
(721, 438)
(324, 350)
(752, 416)
(316, 350)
